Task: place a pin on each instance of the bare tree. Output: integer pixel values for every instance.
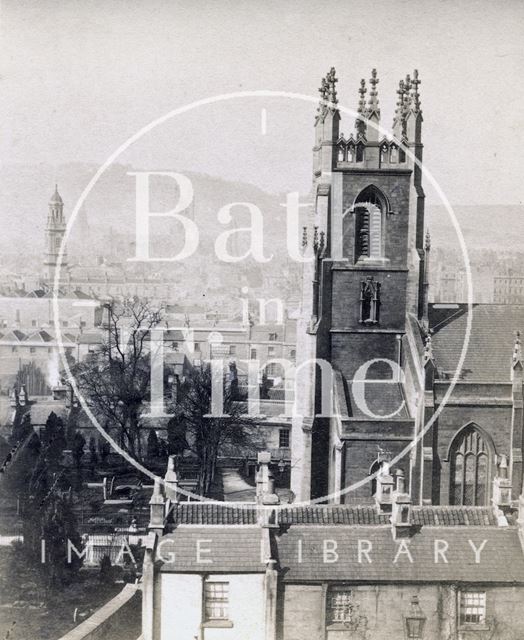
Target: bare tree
(208, 435)
(116, 380)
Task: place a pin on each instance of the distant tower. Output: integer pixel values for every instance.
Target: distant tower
(54, 234)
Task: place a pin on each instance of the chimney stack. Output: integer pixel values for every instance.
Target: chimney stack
(265, 493)
(171, 480)
(384, 493)
(401, 516)
(157, 509)
(502, 488)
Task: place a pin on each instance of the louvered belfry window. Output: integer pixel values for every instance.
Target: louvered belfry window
(370, 207)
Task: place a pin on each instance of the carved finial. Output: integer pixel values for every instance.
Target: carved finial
(362, 97)
(360, 125)
(427, 242)
(323, 91)
(322, 243)
(399, 111)
(332, 79)
(517, 349)
(304, 237)
(428, 349)
(315, 240)
(415, 96)
(373, 93)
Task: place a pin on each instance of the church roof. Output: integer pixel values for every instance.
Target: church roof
(491, 342)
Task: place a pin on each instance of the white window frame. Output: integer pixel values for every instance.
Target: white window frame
(216, 606)
(472, 607)
(340, 613)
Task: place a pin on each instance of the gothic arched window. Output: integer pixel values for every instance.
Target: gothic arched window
(470, 469)
(351, 153)
(341, 153)
(360, 152)
(383, 154)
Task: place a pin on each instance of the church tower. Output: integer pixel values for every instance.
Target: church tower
(54, 233)
(362, 287)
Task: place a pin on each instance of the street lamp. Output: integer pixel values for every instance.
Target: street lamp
(415, 620)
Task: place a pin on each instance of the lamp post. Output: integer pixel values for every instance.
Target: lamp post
(415, 620)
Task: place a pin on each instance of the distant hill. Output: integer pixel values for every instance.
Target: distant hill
(109, 212)
(498, 227)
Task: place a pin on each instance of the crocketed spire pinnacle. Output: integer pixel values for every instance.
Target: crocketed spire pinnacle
(415, 95)
(373, 94)
(399, 121)
(328, 93)
(331, 80)
(517, 350)
(360, 125)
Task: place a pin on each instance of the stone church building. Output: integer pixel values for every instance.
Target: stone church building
(393, 355)
(419, 467)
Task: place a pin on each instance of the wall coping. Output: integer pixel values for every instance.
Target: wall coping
(103, 614)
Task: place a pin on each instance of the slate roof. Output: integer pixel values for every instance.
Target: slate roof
(368, 514)
(501, 559)
(232, 549)
(492, 338)
(206, 513)
(40, 411)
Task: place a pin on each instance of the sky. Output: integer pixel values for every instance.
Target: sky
(79, 78)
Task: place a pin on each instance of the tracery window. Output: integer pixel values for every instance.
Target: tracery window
(470, 462)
